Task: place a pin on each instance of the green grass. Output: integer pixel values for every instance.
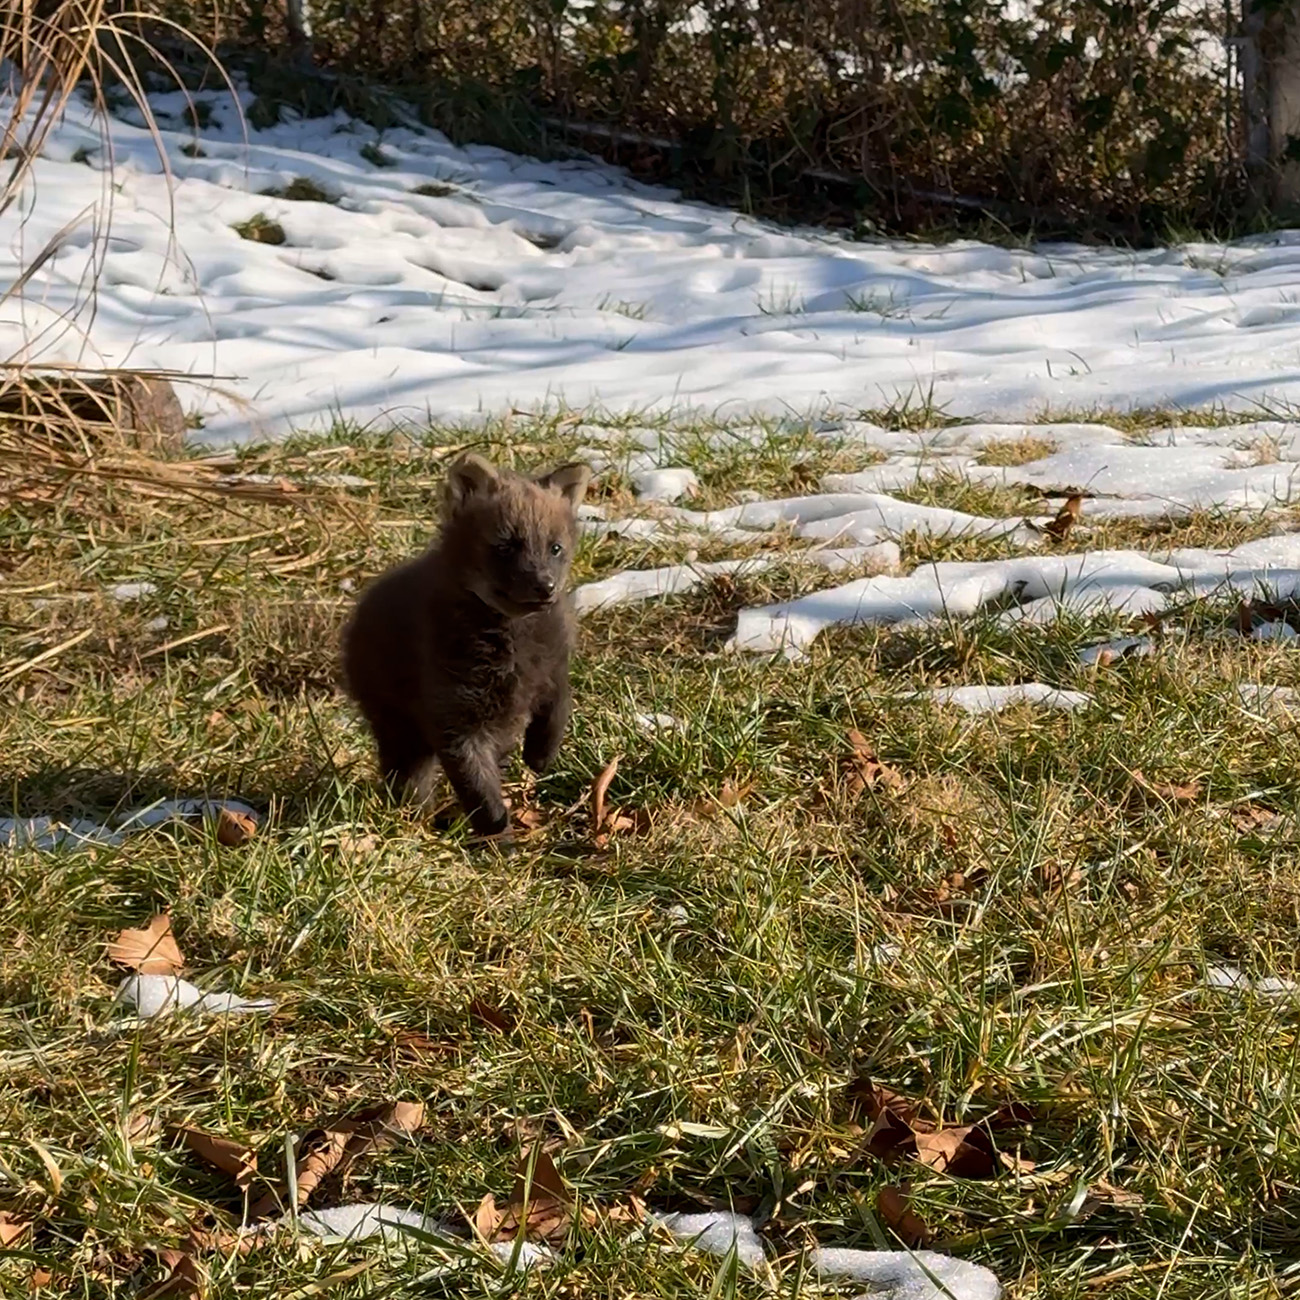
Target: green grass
(1051, 920)
(302, 189)
(261, 229)
(374, 155)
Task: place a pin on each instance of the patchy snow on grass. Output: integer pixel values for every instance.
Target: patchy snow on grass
(460, 281)
(1123, 647)
(892, 1274)
(1044, 585)
(156, 995)
(994, 699)
(1229, 979)
(79, 832)
(1281, 701)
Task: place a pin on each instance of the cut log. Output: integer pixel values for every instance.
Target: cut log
(142, 410)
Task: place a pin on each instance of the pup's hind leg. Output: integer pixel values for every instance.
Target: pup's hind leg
(404, 755)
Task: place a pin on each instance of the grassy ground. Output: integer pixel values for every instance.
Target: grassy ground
(1020, 922)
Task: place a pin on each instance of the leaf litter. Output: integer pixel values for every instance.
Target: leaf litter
(1187, 792)
(234, 1158)
(13, 1228)
(899, 1129)
(186, 1278)
(542, 1211)
(333, 1147)
(867, 772)
(894, 1205)
(607, 822)
(542, 1207)
(151, 951)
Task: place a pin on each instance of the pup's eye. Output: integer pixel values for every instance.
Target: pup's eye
(557, 549)
(508, 545)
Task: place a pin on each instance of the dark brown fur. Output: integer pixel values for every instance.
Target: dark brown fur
(461, 652)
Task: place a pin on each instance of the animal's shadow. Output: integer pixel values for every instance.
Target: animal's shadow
(108, 795)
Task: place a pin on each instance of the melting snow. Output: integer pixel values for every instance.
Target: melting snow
(1228, 979)
(993, 699)
(1045, 585)
(155, 995)
(893, 1274)
(1123, 647)
(79, 832)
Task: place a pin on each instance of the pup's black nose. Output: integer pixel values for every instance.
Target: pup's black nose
(546, 586)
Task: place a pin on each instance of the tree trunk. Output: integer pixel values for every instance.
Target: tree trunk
(298, 16)
(1269, 59)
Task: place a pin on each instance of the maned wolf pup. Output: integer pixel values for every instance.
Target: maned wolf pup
(458, 653)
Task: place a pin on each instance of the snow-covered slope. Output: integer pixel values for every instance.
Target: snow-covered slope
(517, 283)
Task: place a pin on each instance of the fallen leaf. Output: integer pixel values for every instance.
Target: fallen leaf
(493, 1017)
(605, 823)
(357, 845)
(540, 1208)
(233, 1158)
(1104, 1193)
(234, 828)
(873, 1099)
(40, 1277)
(529, 819)
(1252, 614)
(1066, 518)
(956, 1151)
(599, 788)
(1252, 817)
(186, 1279)
(732, 795)
(866, 771)
(898, 1129)
(618, 823)
(894, 1205)
(151, 951)
(338, 1144)
(141, 1127)
(967, 1151)
(1190, 792)
(891, 1136)
(1056, 876)
(413, 1043)
(12, 1227)
(545, 1180)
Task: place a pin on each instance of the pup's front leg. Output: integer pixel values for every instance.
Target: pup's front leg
(475, 775)
(547, 726)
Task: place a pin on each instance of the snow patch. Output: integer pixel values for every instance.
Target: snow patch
(52, 833)
(994, 699)
(156, 995)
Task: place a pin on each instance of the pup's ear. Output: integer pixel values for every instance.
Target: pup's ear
(470, 476)
(569, 481)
